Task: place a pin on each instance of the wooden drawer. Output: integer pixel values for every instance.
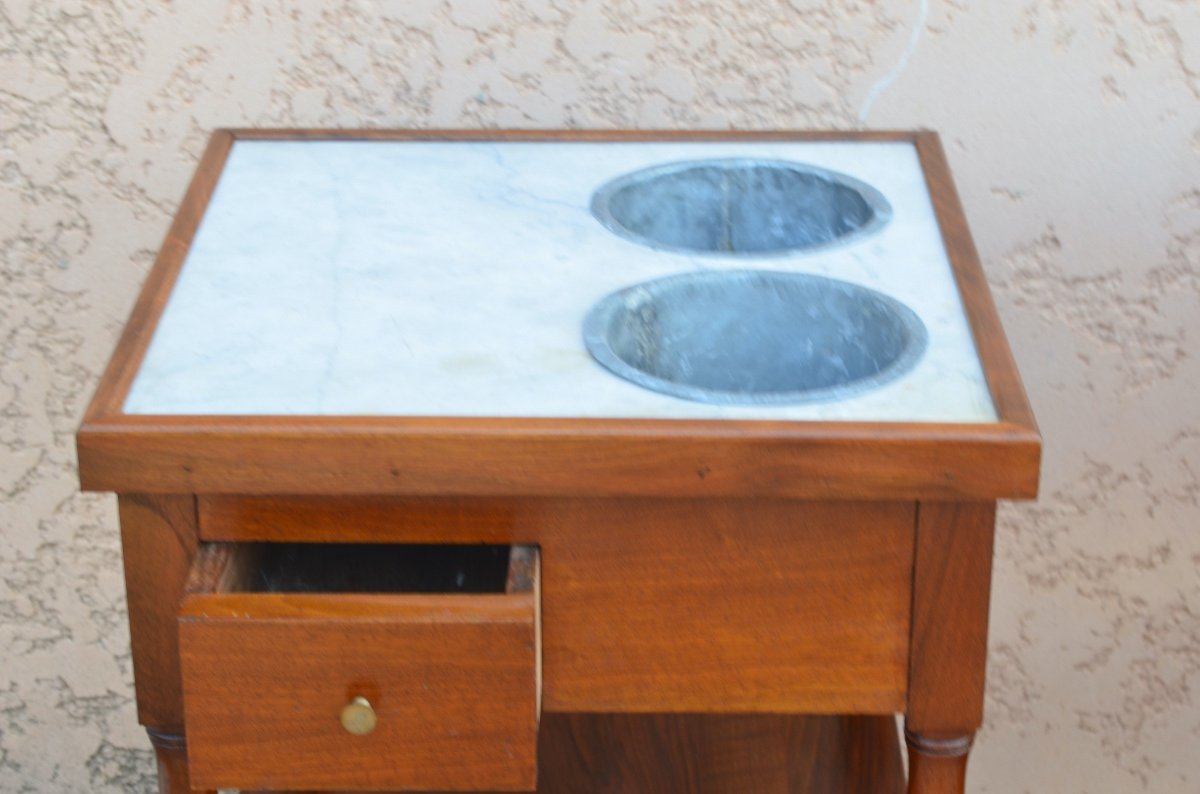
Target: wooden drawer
(441, 644)
(776, 606)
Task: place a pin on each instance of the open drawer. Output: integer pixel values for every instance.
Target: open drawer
(371, 667)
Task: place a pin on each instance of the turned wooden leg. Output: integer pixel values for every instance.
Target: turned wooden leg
(171, 751)
(948, 653)
(937, 765)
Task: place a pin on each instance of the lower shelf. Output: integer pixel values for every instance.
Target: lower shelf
(717, 754)
(624, 754)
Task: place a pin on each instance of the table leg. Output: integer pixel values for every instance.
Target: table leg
(159, 540)
(948, 653)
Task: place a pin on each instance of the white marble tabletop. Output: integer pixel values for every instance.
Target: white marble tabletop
(344, 278)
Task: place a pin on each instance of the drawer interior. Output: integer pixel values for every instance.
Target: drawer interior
(362, 568)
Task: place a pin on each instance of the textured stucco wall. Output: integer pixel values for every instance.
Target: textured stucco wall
(1074, 130)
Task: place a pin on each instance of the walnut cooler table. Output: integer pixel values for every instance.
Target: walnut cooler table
(387, 526)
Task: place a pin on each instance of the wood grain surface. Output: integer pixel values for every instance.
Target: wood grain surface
(719, 754)
(741, 606)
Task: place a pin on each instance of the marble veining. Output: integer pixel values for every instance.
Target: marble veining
(451, 279)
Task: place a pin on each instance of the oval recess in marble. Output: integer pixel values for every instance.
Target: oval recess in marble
(740, 207)
(754, 337)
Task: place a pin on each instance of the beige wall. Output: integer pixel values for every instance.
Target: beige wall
(1074, 131)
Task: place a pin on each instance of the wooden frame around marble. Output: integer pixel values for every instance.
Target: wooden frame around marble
(562, 457)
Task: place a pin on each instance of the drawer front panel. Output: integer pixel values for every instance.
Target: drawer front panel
(447, 682)
(731, 607)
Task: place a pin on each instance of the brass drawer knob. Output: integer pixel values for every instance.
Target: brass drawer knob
(358, 717)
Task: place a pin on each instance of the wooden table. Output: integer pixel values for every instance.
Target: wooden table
(674, 605)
